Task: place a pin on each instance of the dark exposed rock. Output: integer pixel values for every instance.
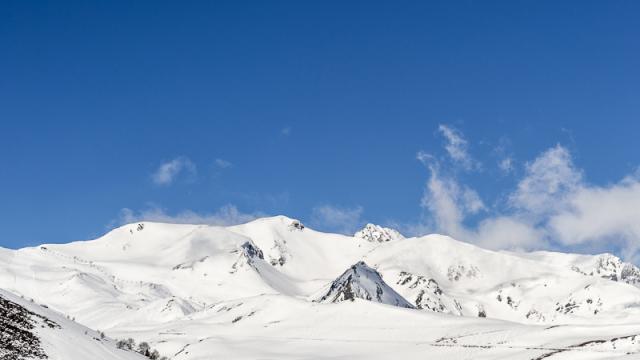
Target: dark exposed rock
(252, 251)
(17, 337)
(481, 312)
(296, 225)
(249, 253)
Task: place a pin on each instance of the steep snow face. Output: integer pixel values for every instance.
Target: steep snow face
(376, 233)
(29, 331)
(361, 282)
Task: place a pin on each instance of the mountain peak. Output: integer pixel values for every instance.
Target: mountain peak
(277, 220)
(611, 267)
(377, 233)
(362, 282)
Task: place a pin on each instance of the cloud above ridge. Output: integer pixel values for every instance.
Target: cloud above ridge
(552, 206)
(340, 219)
(223, 216)
(168, 171)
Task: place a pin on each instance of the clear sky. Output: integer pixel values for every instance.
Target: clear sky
(463, 117)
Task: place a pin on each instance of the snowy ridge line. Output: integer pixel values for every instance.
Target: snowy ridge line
(91, 264)
(202, 292)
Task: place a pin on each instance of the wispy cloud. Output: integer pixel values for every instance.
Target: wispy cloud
(506, 165)
(506, 162)
(447, 200)
(457, 148)
(449, 203)
(286, 131)
(333, 218)
(547, 181)
(167, 172)
(223, 216)
(222, 163)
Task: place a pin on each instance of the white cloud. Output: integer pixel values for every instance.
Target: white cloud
(224, 216)
(457, 148)
(573, 213)
(506, 165)
(445, 198)
(449, 204)
(552, 206)
(425, 158)
(508, 232)
(169, 171)
(332, 218)
(577, 213)
(410, 229)
(601, 214)
(548, 180)
(223, 164)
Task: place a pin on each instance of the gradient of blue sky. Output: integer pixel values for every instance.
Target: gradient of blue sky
(311, 104)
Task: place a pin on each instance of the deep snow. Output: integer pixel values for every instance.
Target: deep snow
(248, 291)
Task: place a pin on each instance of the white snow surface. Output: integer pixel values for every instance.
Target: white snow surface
(248, 291)
(66, 339)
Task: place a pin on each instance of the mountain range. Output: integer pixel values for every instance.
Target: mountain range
(276, 289)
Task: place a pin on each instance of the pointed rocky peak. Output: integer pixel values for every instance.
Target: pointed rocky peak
(630, 274)
(612, 267)
(249, 254)
(376, 233)
(361, 282)
(608, 266)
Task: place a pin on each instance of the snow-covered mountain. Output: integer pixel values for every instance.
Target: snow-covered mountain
(271, 288)
(361, 282)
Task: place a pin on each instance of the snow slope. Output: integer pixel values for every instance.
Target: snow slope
(247, 291)
(441, 274)
(29, 330)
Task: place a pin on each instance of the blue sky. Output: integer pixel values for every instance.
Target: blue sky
(222, 111)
